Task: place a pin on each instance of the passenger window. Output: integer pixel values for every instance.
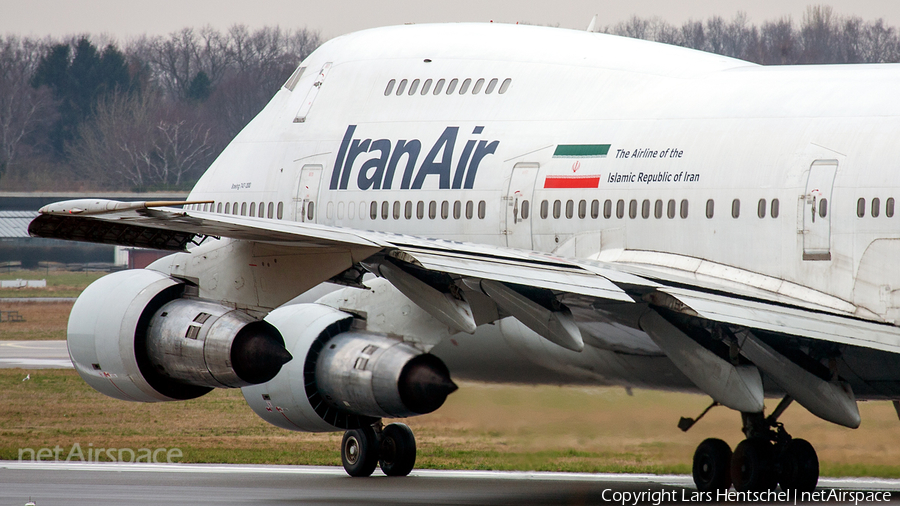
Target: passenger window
(645, 209)
(710, 208)
(823, 208)
(234, 208)
(228, 208)
(876, 207)
(582, 209)
(438, 86)
(420, 210)
(670, 208)
(761, 208)
(310, 211)
(373, 210)
(469, 208)
(684, 209)
(860, 208)
(889, 208)
(262, 210)
(481, 209)
(396, 209)
(524, 209)
(557, 208)
(219, 208)
(632, 209)
(607, 209)
(464, 87)
(243, 209)
(620, 209)
(478, 85)
(408, 210)
(544, 207)
(340, 210)
(736, 208)
(445, 209)
(401, 88)
(280, 210)
(658, 209)
(271, 206)
(595, 209)
(413, 87)
(432, 209)
(451, 86)
(505, 85)
(385, 210)
(490, 87)
(390, 87)
(570, 209)
(457, 210)
(426, 86)
(773, 211)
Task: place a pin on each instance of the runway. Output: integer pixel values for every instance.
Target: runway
(34, 355)
(81, 483)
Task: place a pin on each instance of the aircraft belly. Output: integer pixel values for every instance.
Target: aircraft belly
(507, 351)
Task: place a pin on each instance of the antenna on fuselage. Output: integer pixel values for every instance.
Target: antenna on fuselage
(593, 24)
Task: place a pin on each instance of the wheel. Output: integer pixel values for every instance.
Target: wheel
(752, 466)
(398, 450)
(712, 465)
(799, 469)
(359, 451)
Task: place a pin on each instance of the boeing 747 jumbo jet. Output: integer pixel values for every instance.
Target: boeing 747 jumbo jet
(538, 205)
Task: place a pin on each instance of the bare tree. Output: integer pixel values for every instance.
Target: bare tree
(140, 142)
(24, 110)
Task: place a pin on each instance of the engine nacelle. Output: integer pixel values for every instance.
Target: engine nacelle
(343, 378)
(133, 336)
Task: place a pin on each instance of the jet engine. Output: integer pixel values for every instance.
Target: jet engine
(342, 378)
(133, 335)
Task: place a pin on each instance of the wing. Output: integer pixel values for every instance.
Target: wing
(713, 321)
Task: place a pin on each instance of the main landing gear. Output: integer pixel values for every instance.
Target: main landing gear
(393, 447)
(767, 458)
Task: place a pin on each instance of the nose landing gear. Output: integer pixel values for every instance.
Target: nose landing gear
(768, 457)
(392, 447)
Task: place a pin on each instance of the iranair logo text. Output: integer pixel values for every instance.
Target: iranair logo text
(377, 164)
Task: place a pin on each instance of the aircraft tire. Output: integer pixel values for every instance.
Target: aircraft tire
(712, 466)
(359, 452)
(799, 469)
(752, 466)
(397, 454)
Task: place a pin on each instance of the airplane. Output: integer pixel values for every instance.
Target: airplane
(532, 205)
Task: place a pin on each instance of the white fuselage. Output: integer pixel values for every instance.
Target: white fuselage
(620, 150)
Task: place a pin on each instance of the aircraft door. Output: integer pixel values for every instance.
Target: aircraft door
(305, 207)
(519, 205)
(817, 208)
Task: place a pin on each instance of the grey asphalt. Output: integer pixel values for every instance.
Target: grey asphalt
(81, 483)
(34, 355)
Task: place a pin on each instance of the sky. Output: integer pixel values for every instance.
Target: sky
(124, 19)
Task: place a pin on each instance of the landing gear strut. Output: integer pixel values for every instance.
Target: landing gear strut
(392, 447)
(768, 457)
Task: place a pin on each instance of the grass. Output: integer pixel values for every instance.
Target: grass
(43, 320)
(480, 427)
(59, 283)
